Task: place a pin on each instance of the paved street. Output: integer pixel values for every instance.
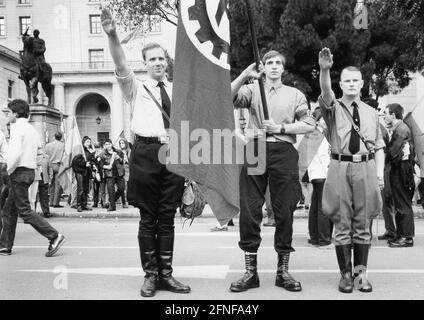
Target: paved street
(101, 261)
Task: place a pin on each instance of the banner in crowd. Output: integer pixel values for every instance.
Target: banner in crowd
(202, 100)
(307, 149)
(73, 146)
(415, 121)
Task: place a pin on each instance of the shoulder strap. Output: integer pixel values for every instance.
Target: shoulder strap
(355, 127)
(157, 103)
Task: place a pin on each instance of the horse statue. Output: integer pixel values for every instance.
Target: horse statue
(34, 70)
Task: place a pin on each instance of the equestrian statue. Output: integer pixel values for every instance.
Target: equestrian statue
(34, 68)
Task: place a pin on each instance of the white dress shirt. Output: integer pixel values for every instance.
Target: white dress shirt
(23, 145)
(146, 117)
(3, 147)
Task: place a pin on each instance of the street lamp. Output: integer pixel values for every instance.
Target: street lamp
(98, 120)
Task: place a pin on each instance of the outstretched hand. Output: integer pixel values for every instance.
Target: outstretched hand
(108, 23)
(325, 59)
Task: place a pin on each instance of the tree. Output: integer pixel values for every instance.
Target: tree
(386, 52)
(134, 13)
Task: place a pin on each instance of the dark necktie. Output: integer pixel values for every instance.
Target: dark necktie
(166, 103)
(354, 137)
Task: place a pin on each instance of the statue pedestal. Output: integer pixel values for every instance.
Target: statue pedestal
(47, 121)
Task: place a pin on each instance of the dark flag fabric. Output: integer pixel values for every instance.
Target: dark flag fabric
(202, 111)
(415, 121)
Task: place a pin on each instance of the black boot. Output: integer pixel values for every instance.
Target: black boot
(344, 258)
(166, 280)
(150, 265)
(250, 279)
(360, 260)
(284, 278)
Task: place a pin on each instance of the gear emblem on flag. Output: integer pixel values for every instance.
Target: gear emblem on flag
(207, 26)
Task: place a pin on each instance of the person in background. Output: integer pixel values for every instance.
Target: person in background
(41, 184)
(113, 167)
(319, 225)
(55, 150)
(81, 164)
(400, 156)
(125, 148)
(4, 177)
(99, 186)
(21, 163)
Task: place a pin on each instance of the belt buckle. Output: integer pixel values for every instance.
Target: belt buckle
(164, 139)
(357, 158)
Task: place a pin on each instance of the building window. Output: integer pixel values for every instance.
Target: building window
(24, 2)
(95, 24)
(10, 89)
(24, 23)
(96, 58)
(2, 2)
(93, 0)
(2, 27)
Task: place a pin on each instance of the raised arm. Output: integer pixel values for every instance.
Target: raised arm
(248, 73)
(325, 63)
(118, 55)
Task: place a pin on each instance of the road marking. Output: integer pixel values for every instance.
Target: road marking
(207, 271)
(295, 247)
(200, 272)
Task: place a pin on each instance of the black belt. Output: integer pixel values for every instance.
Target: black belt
(153, 140)
(353, 158)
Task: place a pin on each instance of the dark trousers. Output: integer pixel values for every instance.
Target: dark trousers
(82, 189)
(319, 225)
(421, 191)
(111, 182)
(55, 189)
(43, 195)
(156, 192)
(403, 188)
(124, 193)
(99, 191)
(282, 174)
(4, 184)
(17, 203)
(388, 214)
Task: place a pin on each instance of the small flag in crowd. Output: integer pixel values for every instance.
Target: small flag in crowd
(73, 146)
(137, 33)
(203, 99)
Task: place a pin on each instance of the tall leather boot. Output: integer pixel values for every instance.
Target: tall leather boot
(284, 278)
(360, 261)
(149, 263)
(250, 279)
(166, 280)
(344, 258)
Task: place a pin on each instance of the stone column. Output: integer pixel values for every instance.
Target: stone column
(59, 96)
(116, 113)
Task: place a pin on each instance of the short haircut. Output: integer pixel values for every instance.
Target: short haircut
(20, 107)
(58, 136)
(396, 109)
(107, 140)
(151, 46)
(350, 68)
(272, 54)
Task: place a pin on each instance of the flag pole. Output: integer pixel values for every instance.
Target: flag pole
(249, 4)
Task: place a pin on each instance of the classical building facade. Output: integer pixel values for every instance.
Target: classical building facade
(77, 49)
(11, 87)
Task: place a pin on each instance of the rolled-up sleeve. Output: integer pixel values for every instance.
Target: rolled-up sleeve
(128, 85)
(301, 110)
(243, 99)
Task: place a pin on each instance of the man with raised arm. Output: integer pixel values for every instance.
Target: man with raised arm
(351, 196)
(152, 188)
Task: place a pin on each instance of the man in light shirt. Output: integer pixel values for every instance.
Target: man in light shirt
(55, 150)
(21, 164)
(4, 178)
(151, 187)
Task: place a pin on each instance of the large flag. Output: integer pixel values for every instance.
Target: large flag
(307, 149)
(202, 104)
(415, 121)
(73, 146)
